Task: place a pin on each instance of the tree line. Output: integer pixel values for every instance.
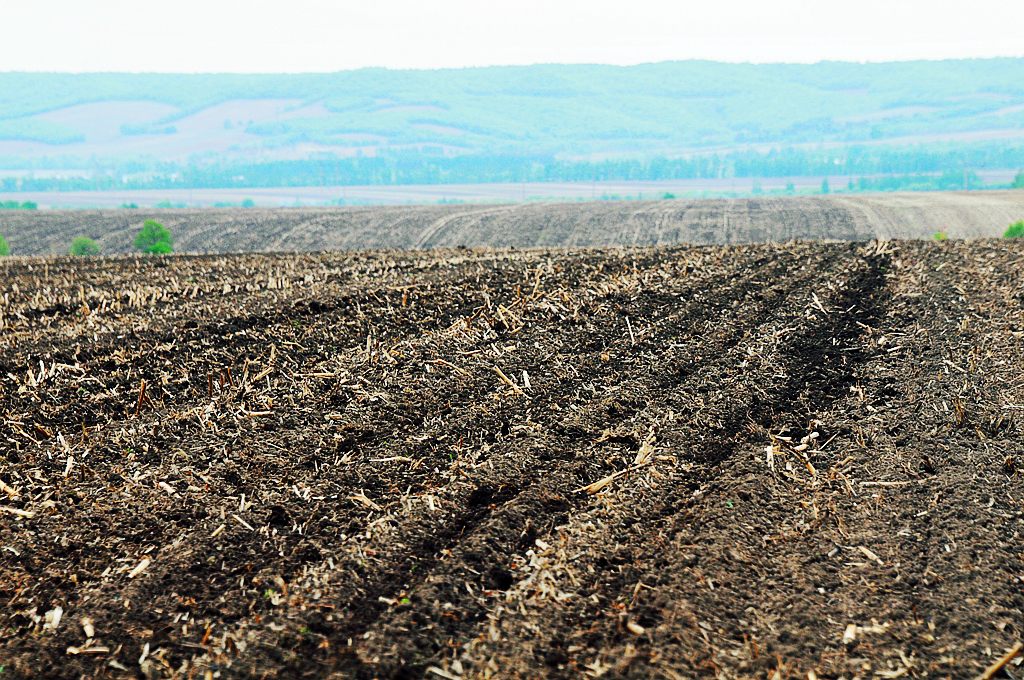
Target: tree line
(417, 168)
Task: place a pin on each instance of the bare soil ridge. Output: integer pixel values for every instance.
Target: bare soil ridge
(681, 462)
(959, 215)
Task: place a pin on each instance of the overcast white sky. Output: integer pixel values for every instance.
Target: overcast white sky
(322, 35)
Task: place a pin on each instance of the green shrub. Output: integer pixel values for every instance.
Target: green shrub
(5, 249)
(248, 203)
(14, 205)
(940, 236)
(154, 238)
(83, 246)
(1015, 230)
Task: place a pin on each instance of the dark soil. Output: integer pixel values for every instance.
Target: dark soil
(737, 462)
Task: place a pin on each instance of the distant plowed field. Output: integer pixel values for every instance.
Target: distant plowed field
(758, 461)
(960, 215)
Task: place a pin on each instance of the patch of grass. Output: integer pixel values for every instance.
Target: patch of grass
(1015, 230)
(940, 236)
(5, 249)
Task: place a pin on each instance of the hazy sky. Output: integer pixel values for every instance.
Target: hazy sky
(323, 35)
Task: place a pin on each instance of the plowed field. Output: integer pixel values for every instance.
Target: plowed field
(630, 223)
(773, 461)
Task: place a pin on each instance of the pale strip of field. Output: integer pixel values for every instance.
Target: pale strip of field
(604, 223)
(435, 193)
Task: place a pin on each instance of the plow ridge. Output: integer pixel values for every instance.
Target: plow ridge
(679, 462)
(530, 225)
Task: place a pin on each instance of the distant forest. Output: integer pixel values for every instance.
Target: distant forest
(912, 168)
(676, 120)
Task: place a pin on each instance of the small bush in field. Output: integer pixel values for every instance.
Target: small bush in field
(83, 246)
(154, 239)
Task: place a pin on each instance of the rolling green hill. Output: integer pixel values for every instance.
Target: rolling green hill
(126, 124)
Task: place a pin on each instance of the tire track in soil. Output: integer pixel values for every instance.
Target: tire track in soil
(900, 437)
(796, 620)
(931, 507)
(669, 500)
(430, 235)
(568, 476)
(551, 490)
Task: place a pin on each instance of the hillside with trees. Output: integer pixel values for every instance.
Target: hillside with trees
(528, 123)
